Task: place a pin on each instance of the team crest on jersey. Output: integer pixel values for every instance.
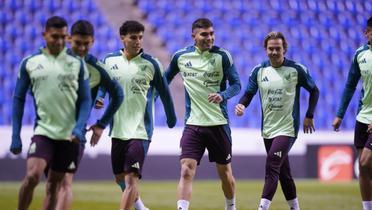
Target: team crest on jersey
(143, 68)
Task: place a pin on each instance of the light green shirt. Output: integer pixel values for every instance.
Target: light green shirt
(204, 73)
(134, 119)
(279, 94)
(361, 68)
(54, 85)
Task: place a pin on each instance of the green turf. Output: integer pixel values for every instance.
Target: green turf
(207, 195)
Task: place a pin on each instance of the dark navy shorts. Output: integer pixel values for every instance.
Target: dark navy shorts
(361, 137)
(217, 139)
(128, 155)
(60, 155)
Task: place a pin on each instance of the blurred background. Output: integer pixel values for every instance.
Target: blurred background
(322, 35)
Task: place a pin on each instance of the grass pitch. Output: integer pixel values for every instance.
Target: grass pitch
(207, 195)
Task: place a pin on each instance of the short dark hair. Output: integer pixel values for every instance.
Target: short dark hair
(369, 22)
(131, 26)
(55, 22)
(276, 35)
(82, 27)
(202, 23)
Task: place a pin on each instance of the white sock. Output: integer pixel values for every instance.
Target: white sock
(138, 204)
(293, 204)
(264, 204)
(230, 204)
(183, 205)
(367, 205)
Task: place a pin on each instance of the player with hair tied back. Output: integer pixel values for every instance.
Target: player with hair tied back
(140, 75)
(205, 69)
(60, 87)
(279, 81)
(81, 40)
(361, 68)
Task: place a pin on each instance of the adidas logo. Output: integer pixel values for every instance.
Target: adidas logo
(136, 165)
(32, 148)
(228, 157)
(265, 79)
(363, 61)
(188, 64)
(72, 166)
(279, 154)
(114, 67)
(39, 67)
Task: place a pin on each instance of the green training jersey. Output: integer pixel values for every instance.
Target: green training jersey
(279, 94)
(54, 84)
(361, 68)
(138, 77)
(204, 73)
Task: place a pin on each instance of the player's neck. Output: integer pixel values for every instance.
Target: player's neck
(277, 64)
(129, 56)
(54, 54)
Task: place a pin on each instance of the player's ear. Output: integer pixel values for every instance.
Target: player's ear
(69, 39)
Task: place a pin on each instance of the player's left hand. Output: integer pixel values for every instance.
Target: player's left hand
(309, 125)
(369, 129)
(215, 98)
(16, 146)
(97, 133)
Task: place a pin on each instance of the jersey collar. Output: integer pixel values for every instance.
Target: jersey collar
(134, 58)
(45, 52)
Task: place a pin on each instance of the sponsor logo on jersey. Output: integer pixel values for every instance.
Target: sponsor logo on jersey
(211, 83)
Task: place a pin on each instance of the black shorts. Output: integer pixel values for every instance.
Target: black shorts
(128, 155)
(217, 139)
(60, 155)
(361, 137)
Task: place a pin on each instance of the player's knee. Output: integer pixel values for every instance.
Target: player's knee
(273, 163)
(65, 185)
(32, 179)
(365, 165)
(187, 171)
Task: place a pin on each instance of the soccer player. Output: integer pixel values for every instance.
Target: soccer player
(205, 69)
(279, 81)
(60, 87)
(81, 40)
(139, 74)
(361, 68)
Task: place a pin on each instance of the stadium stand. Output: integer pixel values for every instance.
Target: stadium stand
(322, 35)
